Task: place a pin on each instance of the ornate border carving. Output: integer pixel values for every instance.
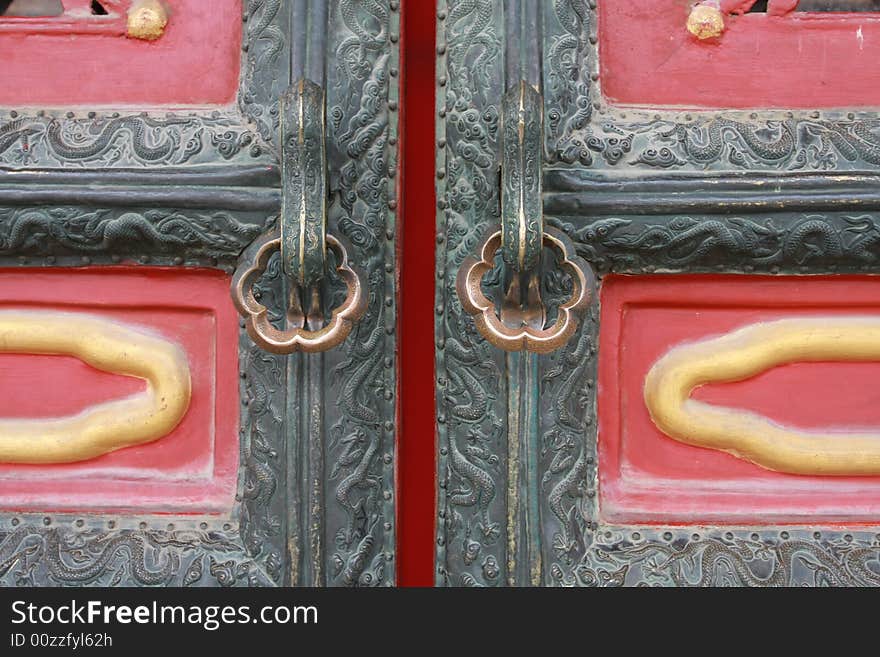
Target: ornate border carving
(797, 242)
(738, 557)
(471, 408)
(362, 115)
(583, 551)
(246, 548)
(54, 231)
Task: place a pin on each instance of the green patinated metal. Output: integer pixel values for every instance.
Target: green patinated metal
(522, 215)
(304, 180)
(315, 500)
(637, 191)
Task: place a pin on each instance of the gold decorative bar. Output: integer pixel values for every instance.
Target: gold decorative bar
(105, 345)
(747, 352)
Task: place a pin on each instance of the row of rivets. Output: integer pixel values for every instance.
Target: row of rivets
(440, 168)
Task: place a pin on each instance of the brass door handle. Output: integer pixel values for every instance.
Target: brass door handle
(302, 241)
(522, 213)
(520, 329)
(520, 323)
(298, 335)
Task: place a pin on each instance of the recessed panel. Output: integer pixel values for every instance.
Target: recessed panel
(88, 55)
(118, 391)
(739, 399)
(803, 59)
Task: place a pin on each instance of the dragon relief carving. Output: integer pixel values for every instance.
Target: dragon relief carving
(262, 504)
(579, 134)
(264, 40)
(572, 134)
(113, 139)
(38, 556)
(790, 144)
(138, 140)
(359, 122)
(468, 398)
(841, 241)
(568, 385)
(78, 230)
(149, 139)
(796, 558)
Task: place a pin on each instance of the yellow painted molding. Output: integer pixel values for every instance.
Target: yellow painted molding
(105, 345)
(745, 353)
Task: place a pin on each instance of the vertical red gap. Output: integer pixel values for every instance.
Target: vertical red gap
(416, 474)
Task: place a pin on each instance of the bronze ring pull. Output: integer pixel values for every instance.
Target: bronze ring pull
(521, 327)
(301, 239)
(297, 336)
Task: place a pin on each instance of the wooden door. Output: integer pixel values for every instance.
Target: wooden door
(147, 152)
(706, 415)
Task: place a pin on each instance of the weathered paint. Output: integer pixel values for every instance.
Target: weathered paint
(648, 58)
(646, 476)
(76, 61)
(193, 469)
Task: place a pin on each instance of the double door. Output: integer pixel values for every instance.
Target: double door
(654, 302)
(198, 242)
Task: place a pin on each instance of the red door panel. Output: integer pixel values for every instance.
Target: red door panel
(800, 60)
(646, 476)
(192, 469)
(80, 59)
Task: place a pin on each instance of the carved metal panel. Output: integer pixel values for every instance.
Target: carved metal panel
(314, 501)
(639, 191)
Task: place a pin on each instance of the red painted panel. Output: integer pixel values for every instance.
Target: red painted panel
(195, 63)
(802, 60)
(648, 477)
(191, 470)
